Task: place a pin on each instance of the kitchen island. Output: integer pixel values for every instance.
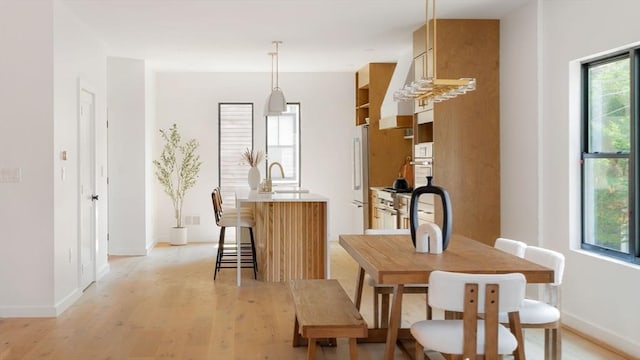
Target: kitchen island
(290, 234)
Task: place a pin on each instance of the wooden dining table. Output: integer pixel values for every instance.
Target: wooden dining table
(393, 260)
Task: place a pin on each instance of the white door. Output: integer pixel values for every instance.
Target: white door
(86, 166)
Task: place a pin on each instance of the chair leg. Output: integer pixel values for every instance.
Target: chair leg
(428, 308)
(384, 311)
(253, 252)
(220, 252)
(376, 308)
(552, 344)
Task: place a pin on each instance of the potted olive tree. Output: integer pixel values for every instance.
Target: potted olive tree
(177, 171)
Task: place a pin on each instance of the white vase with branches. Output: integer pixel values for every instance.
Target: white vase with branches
(253, 159)
(177, 171)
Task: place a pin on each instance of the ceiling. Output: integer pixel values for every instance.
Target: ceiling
(237, 35)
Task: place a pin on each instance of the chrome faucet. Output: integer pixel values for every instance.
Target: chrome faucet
(268, 184)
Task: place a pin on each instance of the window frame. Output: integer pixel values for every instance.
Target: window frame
(220, 104)
(633, 54)
(299, 160)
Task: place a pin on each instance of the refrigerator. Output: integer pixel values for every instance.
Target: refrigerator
(360, 177)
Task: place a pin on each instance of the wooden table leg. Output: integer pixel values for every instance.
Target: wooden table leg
(394, 322)
(359, 284)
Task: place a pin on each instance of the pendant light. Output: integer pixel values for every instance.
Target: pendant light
(276, 103)
(431, 89)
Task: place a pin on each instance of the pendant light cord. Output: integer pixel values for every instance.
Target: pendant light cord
(272, 54)
(277, 61)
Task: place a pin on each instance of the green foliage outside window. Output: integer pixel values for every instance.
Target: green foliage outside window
(609, 133)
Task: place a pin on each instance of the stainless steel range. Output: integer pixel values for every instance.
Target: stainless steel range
(389, 208)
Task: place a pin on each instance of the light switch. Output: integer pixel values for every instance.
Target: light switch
(63, 173)
(10, 175)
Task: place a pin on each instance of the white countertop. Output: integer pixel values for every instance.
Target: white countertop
(246, 195)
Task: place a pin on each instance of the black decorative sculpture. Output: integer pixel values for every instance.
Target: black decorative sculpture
(446, 209)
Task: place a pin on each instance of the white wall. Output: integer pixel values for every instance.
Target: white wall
(519, 126)
(599, 295)
(26, 142)
(127, 156)
(77, 55)
(45, 50)
(327, 109)
(150, 141)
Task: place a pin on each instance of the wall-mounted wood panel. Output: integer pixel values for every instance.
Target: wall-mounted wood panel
(466, 130)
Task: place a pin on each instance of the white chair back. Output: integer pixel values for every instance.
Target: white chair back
(513, 247)
(548, 258)
(447, 289)
(387, 232)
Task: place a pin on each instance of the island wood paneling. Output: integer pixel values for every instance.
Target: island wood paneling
(291, 240)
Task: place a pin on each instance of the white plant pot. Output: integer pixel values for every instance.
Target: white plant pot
(178, 236)
(254, 178)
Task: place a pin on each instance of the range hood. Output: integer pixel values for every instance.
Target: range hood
(398, 114)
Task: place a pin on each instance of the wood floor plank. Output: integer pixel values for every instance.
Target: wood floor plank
(167, 306)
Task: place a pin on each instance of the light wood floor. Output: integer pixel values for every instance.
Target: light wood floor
(167, 306)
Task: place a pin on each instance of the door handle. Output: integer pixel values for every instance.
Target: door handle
(94, 197)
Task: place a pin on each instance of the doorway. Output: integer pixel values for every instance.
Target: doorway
(87, 185)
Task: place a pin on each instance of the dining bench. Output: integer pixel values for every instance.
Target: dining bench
(324, 310)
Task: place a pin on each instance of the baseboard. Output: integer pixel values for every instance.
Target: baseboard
(604, 338)
(103, 271)
(128, 251)
(151, 246)
(67, 301)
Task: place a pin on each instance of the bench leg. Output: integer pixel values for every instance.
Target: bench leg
(311, 350)
(419, 351)
(353, 348)
(296, 334)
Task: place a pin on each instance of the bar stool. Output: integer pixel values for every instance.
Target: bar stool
(227, 253)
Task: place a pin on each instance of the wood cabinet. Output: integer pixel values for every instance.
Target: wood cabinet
(362, 96)
(387, 147)
(466, 130)
(376, 219)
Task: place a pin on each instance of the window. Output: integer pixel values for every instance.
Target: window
(283, 145)
(609, 150)
(235, 135)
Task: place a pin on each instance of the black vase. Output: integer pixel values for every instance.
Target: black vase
(446, 209)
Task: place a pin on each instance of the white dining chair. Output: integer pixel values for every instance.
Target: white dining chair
(382, 293)
(545, 313)
(472, 295)
(513, 247)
